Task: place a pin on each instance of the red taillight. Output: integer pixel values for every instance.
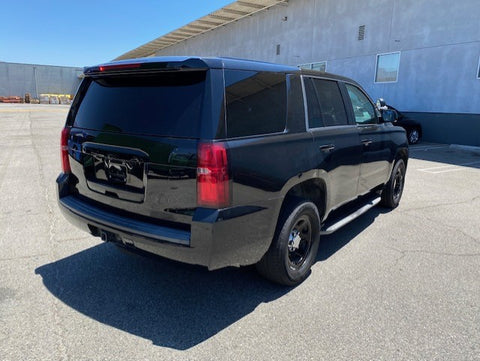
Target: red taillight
(119, 67)
(64, 150)
(213, 188)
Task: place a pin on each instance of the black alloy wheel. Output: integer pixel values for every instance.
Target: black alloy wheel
(299, 242)
(398, 183)
(393, 190)
(413, 136)
(294, 247)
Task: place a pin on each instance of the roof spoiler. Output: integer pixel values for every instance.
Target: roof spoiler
(144, 65)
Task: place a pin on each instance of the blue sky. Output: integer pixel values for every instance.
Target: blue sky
(80, 33)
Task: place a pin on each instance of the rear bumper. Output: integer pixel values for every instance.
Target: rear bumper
(217, 238)
(94, 214)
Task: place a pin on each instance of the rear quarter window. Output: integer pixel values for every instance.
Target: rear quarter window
(256, 102)
(167, 104)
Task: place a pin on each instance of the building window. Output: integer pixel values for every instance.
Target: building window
(387, 67)
(478, 69)
(318, 66)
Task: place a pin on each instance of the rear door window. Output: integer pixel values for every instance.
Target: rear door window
(325, 103)
(167, 104)
(256, 102)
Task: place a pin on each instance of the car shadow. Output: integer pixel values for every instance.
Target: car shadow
(444, 154)
(175, 305)
(332, 243)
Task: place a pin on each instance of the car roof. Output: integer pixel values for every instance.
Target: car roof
(215, 63)
(204, 62)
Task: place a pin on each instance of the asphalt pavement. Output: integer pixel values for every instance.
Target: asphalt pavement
(392, 285)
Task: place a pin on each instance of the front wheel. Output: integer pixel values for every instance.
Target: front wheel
(294, 247)
(392, 193)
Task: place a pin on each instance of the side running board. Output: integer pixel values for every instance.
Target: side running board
(336, 226)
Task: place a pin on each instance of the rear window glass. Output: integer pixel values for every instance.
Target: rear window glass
(167, 104)
(256, 102)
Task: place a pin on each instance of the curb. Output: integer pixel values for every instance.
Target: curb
(468, 148)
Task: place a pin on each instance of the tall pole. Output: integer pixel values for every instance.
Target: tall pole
(35, 79)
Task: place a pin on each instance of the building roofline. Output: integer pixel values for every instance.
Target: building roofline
(221, 17)
(47, 65)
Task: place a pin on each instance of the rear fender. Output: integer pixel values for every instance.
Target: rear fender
(303, 186)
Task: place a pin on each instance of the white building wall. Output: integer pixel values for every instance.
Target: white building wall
(18, 79)
(439, 41)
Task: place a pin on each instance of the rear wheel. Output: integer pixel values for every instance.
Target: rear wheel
(392, 193)
(294, 247)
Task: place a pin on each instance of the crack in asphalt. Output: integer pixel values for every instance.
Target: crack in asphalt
(59, 330)
(404, 252)
(455, 228)
(8, 154)
(23, 257)
(440, 205)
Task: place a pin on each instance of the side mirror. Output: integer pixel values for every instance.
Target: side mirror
(381, 104)
(389, 115)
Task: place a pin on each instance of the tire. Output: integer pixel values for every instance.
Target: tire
(413, 136)
(294, 247)
(393, 190)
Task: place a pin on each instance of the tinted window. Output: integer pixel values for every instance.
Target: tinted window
(167, 104)
(256, 103)
(314, 113)
(329, 103)
(363, 109)
(296, 105)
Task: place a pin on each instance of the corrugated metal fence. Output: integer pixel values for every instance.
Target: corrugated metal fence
(18, 79)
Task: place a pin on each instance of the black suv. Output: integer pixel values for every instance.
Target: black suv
(225, 162)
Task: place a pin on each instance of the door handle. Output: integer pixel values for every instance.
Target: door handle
(367, 142)
(327, 147)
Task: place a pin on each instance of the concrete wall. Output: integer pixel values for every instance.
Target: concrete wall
(439, 41)
(18, 79)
